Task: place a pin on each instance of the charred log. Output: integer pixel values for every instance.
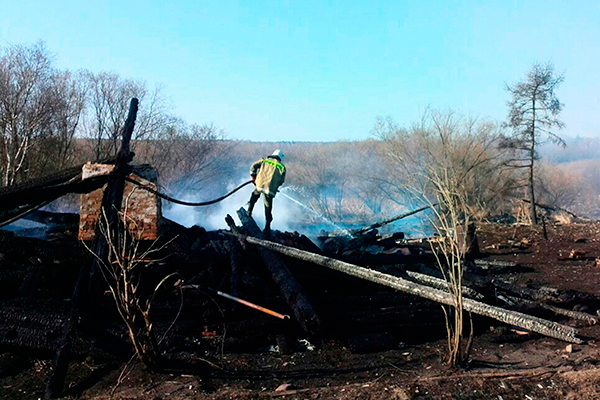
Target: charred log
(56, 381)
(289, 286)
(588, 318)
(47, 217)
(362, 240)
(544, 327)
(441, 284)
(390, 239)
(390, 220)
(236, 271)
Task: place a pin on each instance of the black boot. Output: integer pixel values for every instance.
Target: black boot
(268, 218)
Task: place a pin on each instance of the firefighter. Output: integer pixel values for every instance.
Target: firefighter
(267, 174)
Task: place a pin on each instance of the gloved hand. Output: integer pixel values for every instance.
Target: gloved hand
(253, 178)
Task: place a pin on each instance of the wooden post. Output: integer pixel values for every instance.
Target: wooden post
(56, 380)
(111, 203)
(237, 267)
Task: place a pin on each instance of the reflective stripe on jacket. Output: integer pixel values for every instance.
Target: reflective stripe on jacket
(270, 174)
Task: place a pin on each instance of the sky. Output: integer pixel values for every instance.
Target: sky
(318, 70)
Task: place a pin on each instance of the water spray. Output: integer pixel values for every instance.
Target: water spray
(321, 216)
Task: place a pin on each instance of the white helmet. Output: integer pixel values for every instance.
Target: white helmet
(278, 153)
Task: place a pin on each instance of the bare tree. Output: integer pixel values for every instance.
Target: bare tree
(43, 111)
(558, 185)
(440, 160)
(185, 156)
(129, 259)
(108, 97)
(321, 177)
(533, 114)
(24, 107)
(364, 182)
(40, 110)
(406, 152)
(55, 148)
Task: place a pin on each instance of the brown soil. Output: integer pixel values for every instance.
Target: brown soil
(528, 367)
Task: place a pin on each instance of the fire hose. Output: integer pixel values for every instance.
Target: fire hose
(20, 213)
(174, 200)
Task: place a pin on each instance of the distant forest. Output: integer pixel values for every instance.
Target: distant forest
(357, 183)
(357, 178)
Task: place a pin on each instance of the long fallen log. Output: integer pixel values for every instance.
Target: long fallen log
(535, 324)
(441, 284)
(589, 318)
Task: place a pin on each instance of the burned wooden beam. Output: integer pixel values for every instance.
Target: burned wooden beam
(544, 327)
(358, 242)
(237, 267)
(390, 239)
(441, 284)
(56, 380)
(55, 218)
(589, 318)
(288, 285)
(19, 200)
(390, 220)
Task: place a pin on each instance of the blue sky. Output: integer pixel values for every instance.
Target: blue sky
(324, 70)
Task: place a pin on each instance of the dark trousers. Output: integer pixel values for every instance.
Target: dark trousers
(268, 201)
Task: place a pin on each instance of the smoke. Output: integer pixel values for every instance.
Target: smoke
(289, 213)
(212, 217)
(23, 223)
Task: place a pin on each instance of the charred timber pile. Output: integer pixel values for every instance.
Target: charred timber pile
(323, 303)
(369, 291)
(348, 307)
(412, 259)
(319, 297)
(284, 274)
(533, 323)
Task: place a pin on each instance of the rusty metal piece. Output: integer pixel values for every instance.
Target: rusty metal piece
(252, 305)
(242, 301)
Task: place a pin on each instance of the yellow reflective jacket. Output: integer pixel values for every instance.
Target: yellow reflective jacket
(269, 173)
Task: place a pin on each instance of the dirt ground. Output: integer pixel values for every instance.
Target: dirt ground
(528, 367)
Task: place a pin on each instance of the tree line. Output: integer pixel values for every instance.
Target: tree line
(51, 119)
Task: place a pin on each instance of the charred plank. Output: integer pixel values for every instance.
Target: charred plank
(290, 288)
